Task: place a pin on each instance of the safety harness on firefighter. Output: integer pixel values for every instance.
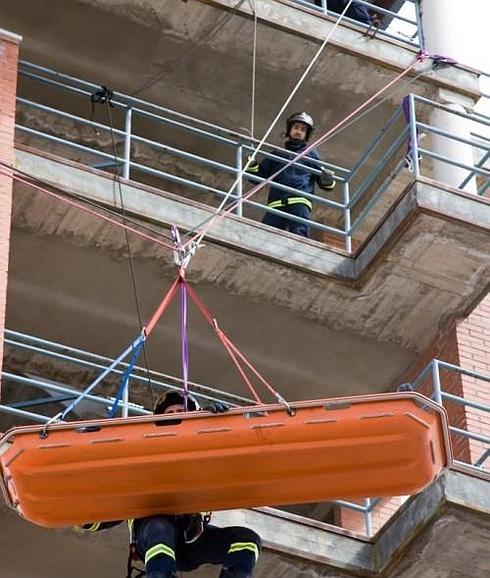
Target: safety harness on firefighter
(192, 531)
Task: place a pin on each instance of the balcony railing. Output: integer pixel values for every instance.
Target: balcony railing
(473, 425)
(365, 192)
(403, 26)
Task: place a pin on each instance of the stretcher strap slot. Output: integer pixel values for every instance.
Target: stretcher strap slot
(53, 446)
(264, 425)
(432, 452)
(375, 415)
(214, 430)
(160, 435)
(107, 440)
(319, 421)
(12, 458)
(417, 419)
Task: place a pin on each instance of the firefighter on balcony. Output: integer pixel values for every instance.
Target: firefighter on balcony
(168, 544)
(299, 127)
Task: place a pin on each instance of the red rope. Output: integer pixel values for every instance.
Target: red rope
(243, 375)
(163, 305)
(84, 208)
(252, 368)
(233, 350)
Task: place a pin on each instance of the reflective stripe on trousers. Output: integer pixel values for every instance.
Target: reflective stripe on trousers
(279, 204)
(159, 550)
(244, 546)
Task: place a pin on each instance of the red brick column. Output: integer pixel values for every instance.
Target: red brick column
(473, 336)
(9, 51)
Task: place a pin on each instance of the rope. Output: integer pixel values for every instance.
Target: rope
(336, 132)
(184, 341)
(254, 71)
(212, 321)
(303, 153)
(236, 354)
(402, 88)
(11, 172)
(72, 195)
(33, 181)
(128, 244)
(126, 376)
(161, 308)
(96, 382)
(200, 236)
(137, 343)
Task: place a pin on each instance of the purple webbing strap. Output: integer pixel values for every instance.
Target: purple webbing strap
(440, 59)
(184, 344)
(406, 112)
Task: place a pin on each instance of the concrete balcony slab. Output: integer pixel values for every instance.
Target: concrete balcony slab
(196, 58)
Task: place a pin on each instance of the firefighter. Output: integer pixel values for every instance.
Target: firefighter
(167, 544)
(299, 127)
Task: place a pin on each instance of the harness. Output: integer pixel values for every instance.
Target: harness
(192, 532)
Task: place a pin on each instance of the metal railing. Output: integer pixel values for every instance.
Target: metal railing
(362, 186)
(478, 141)
(407, 155)
(232, 145)
(433, 377)
(97, 363)
(409, 27)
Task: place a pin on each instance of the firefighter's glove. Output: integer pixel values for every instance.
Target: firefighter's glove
(253, 166)
(326, 180)
(218, 407)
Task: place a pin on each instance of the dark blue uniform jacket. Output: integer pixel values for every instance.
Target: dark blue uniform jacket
(294, 176)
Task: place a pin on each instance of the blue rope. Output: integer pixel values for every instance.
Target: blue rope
(101, 377)
(137, 347)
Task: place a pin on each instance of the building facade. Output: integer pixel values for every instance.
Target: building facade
(145, 113)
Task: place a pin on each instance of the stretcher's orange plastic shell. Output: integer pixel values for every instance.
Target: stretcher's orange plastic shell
(377, 445)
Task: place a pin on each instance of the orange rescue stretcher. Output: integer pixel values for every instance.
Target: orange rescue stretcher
(374, 445)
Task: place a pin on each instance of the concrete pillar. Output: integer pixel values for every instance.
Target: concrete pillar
(452, 149)
(448, 31)
(9, 51)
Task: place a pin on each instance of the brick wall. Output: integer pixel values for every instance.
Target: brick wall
(466, 344)
(473, 336)
(9, 50)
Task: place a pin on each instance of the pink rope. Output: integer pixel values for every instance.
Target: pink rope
(86, 209)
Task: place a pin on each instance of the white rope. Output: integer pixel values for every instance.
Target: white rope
(254, 71)
(274, 122)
